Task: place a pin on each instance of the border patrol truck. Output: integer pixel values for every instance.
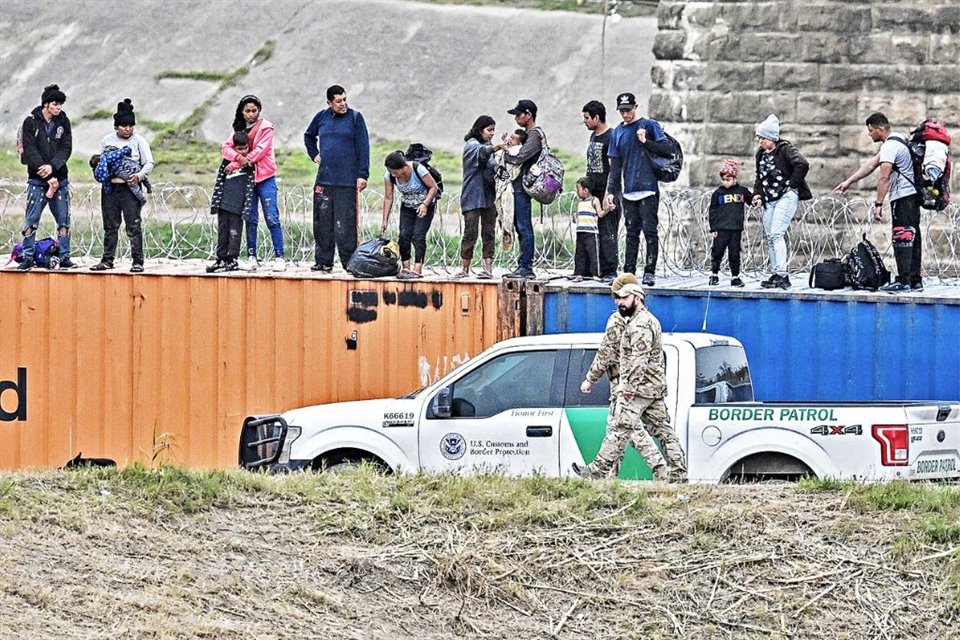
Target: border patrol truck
(517, 409)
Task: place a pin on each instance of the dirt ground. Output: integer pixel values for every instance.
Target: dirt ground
(98, 556)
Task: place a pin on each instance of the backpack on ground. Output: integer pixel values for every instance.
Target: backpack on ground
(544, 181)
(828, 275)
(418, 153)
(864, 268)
(667, 168)
(375, 258)
(46, 253)
(933, 189)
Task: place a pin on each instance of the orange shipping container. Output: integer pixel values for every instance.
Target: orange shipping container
(164, 367)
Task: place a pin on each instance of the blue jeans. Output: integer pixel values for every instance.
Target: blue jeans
(776, 218)
(523, 223)
(266, 194)
(59, 207)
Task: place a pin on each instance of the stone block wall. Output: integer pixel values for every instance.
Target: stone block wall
(821, 65)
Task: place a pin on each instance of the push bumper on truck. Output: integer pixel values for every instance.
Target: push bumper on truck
(265, 444)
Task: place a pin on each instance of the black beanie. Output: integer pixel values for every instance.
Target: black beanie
(52, 93)
(124, 115)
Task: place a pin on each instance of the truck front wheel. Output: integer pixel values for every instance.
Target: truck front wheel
(767, 467)
(346, 460)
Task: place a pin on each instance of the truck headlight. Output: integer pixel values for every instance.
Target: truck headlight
(292, 434)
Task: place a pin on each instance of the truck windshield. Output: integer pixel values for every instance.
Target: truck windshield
(723, 375)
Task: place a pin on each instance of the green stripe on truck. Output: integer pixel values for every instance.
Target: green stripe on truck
(589, 424)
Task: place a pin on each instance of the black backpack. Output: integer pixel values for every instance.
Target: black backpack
(667, 168)
(864, 268)
(829, 275)
(418, 153)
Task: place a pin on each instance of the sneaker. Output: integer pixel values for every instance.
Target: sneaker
(26, 265)
(577, 279)
(230, 265)
(67, 263)
(648, 280)
(136, 268)
(102, 266)
(278, 264)
(406, 274)
(895, 287)
(784, 282)
(917, 286)
(485, 275)
(216, 267)
(736, 282)
(713, 281)
(608, 279)
(320, 267)
(520, 272)
(249, 264)
(771, 283)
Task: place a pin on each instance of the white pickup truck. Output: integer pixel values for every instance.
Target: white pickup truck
(517, 409)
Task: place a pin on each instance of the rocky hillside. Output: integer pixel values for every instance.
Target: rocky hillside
(417, 71)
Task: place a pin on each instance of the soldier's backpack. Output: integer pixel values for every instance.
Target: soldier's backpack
(828, 275)
(544, 181)
(667, 167)
(934, 193)
(864, 268)
(46, 253)
(418, 153)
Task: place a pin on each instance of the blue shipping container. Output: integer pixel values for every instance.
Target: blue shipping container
(806, 346)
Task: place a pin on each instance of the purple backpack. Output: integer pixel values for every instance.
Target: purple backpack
(45, 254)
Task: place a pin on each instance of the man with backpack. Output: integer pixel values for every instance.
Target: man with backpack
(896, 164)
(525, 114)
(45, 142)
(633, 181)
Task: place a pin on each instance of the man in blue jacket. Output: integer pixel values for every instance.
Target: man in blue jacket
(633, 182)
(337, 140)
(45, 141)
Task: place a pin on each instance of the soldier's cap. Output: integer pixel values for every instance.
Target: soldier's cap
(626, 284)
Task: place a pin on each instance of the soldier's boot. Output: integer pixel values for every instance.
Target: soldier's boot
(661, 473)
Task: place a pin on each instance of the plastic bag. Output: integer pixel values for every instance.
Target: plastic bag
(376, 258)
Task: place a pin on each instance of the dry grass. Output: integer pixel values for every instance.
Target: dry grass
(170, 554)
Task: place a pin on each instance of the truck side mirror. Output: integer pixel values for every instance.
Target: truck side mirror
(443, 402)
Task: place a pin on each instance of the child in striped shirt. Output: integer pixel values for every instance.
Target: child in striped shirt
(586, 258)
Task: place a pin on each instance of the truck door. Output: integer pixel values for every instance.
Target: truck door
(504, 417)
(585, 415)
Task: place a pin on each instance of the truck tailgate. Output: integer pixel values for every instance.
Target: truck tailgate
(934, 441)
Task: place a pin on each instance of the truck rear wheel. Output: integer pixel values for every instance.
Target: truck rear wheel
(767, 467)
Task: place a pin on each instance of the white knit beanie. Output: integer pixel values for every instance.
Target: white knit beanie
(769, 128)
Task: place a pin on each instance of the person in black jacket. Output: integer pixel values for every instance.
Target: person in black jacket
(727, 206)
(45, 142)
(779, 187)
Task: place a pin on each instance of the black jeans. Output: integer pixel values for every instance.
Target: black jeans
(908, 254)
(414, 230)
(609, 227)
(334, 223)
(229, 231)
(586, 257)
(726, 240)
(641, 215)
(121, 202)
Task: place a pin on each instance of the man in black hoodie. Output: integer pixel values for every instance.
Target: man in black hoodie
(45, 143)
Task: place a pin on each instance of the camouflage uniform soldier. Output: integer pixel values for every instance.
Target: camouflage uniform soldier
(638, 409)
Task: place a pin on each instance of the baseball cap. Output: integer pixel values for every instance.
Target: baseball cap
(626, 101)
(630, 290)
(523, 106)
